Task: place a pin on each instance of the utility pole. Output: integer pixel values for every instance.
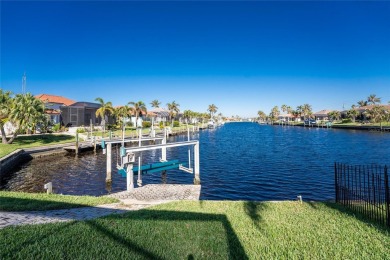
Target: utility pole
(24, 84)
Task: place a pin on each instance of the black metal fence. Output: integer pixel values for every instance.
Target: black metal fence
(364, 189)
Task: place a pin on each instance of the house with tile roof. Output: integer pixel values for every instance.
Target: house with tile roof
(53, 104)
(322, 115)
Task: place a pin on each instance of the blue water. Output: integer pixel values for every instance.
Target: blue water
(239, 161)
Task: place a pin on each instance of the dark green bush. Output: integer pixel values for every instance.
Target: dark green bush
(347, 120)
(146, 124)
(176, 123)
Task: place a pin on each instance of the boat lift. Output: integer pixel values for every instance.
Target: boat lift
(107, 149)
(129, 159)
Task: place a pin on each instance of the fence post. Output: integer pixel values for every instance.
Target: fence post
(387, 198)
(335, 183)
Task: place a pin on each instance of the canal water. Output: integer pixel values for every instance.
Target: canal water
(238, 161)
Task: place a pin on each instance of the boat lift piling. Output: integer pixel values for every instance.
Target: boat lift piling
(107, 149)
(130, 154)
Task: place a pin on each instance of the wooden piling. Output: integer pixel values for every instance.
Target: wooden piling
(77, 143)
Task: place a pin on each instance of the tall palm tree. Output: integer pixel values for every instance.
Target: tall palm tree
(274, 113)
(173, 109)
(5, 108)
(362, 103)
(155, 103)
(286, 109)
(373, 99)
(306, 111)
(212, 110)
(138, 108)
(261, 115)
(104, 111)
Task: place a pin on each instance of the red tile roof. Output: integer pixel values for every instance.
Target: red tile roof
(55, 99)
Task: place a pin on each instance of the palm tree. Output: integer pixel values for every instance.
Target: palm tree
(212, 110)
(187, 114)
(173, 109)
(373, 99)
(353, 113)
(121, 113)
(155, 103)
(334, 115)
(137, 109)
(261, 115)
(274, 113)
(306, 111)
(286, 109)
(377, 114)
(362, 103)
(104, 111)
(5, 108)
(26, 112)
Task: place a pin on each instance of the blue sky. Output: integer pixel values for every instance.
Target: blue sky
(241, 56)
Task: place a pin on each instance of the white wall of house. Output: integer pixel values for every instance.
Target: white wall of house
(9, 128)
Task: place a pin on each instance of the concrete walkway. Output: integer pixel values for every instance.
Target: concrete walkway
(140, 198)
(63, 215)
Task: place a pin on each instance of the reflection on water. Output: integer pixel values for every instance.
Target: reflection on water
(243, 161)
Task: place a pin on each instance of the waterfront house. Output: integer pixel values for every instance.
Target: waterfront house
(285, 118)
(82, 114)
(161, 115)
(53, 105)
(322, 115)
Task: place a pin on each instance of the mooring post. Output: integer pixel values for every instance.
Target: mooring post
(196, 164)
(153, 133)
(94, 143)
(49, 187)
(164, 149)
(108, 171)
(77, 143)
(129, 177)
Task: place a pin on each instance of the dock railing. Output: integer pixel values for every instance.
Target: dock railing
(364, 189)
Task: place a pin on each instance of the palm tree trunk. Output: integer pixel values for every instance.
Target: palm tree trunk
(13, 137)
(3, 136)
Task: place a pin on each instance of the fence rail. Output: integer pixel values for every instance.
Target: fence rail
(364, 189)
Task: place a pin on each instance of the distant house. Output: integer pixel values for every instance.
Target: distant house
(286, 117)
(53, 104)
(82, 114)
(161, 115)
(322, 115)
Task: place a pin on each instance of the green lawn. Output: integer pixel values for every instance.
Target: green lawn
(206, 230)
(34, 141)
(21, 201)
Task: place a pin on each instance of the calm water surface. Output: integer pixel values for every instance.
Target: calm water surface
(239, 161)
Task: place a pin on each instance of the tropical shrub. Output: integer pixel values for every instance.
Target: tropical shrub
(176, 123)
(56, 127)
(146, 124)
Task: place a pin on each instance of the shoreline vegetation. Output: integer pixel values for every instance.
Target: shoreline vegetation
(207, 229)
